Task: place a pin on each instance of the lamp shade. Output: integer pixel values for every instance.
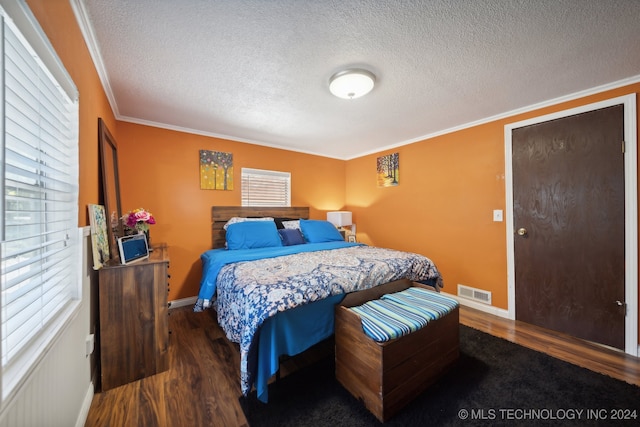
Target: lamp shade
(351, 84)
(340, 218)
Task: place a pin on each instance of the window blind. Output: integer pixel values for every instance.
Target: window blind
(265, 188)
(39, 243)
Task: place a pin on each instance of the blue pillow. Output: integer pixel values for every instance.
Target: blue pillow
(291, 236)
(252, 234)
(317, 231)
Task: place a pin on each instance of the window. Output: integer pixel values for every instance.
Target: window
(39, 247)
(265, 188)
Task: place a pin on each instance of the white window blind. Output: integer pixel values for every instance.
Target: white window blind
(39, 246)
(265, 188)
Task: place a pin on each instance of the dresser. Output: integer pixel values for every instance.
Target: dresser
(134, 327)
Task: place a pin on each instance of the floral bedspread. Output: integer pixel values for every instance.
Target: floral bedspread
(250, 292)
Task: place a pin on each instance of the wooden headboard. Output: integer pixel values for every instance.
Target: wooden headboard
(221, 214)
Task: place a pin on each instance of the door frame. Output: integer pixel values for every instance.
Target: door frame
(630, 209)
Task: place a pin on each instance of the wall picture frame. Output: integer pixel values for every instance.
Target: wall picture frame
(216, 170)
(388, 170)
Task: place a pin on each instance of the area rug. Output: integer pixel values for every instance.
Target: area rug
(495, 382)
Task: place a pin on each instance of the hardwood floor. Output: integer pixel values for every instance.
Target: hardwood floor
(201, 387)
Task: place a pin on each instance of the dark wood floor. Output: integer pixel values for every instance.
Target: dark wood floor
(201, 387)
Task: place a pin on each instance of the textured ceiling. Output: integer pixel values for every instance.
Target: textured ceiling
(258, 70)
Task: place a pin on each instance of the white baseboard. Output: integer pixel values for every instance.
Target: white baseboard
(183, 302)
(500, 312)
(86, 404)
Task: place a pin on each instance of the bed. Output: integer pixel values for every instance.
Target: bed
(274, 277)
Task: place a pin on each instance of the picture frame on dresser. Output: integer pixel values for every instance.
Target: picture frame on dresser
(99, 239)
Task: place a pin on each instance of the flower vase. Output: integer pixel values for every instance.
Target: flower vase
(146, 234)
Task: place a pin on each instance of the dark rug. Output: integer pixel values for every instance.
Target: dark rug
(495, 382)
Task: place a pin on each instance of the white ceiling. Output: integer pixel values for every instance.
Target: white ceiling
(258, 70)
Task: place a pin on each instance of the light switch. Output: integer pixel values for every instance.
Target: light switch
(497, 215)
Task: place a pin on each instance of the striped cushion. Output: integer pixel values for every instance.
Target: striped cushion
(400, 313)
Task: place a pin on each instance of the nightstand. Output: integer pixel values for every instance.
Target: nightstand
(134, 325)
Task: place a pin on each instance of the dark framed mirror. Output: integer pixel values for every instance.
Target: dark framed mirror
(110, 186)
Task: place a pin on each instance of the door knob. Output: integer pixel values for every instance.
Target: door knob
(522, 232)
(623, 305)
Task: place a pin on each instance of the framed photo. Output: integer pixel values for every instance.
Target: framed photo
(351, 238)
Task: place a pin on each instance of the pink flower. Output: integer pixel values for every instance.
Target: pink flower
(139, 219)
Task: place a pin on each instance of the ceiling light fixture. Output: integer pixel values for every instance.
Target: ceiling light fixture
(351, 84)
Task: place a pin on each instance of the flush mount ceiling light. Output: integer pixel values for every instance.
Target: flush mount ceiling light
(351, 84)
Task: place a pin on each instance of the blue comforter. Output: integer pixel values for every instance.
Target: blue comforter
(249, 286)
(214, 259)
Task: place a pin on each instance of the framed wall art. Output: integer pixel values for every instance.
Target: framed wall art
(388, 170)
(216, 170)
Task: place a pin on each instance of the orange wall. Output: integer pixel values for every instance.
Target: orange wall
(159, 171)
(59, 24)
(443, 205)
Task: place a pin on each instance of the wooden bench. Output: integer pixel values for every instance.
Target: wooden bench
(386, 376)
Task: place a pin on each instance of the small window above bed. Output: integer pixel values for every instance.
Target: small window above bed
(265, 188)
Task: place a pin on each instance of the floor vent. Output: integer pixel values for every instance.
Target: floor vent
(474, 294)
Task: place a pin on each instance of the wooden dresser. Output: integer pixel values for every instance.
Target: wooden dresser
(134, 328)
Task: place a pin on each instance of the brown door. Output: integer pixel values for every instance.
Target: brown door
(568, 188)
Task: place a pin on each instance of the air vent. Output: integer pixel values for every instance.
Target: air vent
(474, 294)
